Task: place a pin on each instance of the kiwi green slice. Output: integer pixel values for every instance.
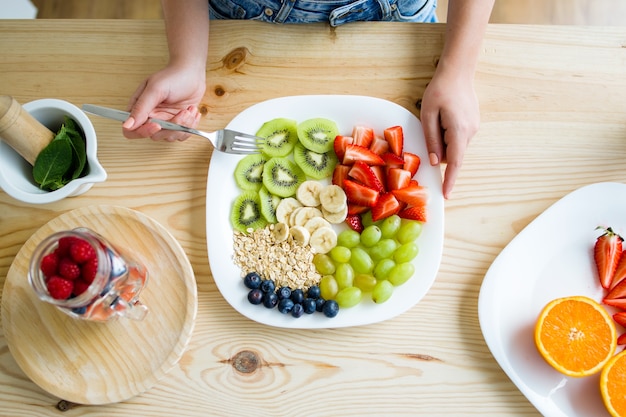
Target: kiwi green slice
(249, 171)
(282, 177)
(318, 134)
(269, 202)
(246, 212)
(280, 136)
(315, 165)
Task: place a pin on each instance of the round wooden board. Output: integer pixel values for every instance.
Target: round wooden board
(98, 363)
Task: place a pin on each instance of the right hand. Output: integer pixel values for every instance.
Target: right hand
(172, 94)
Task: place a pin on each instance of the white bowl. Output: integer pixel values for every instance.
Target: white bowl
(16, 177)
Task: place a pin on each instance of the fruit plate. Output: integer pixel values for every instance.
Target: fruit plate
(552, 257)
(346, 111)
(100, 363)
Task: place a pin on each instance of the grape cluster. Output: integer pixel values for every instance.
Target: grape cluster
(373, 262)
(288, 301)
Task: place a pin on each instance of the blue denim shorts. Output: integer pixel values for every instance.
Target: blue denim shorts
(336, 12)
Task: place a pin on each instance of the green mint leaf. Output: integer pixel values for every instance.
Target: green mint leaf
(52, 163)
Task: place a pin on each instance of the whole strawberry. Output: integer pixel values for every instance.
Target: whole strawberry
(59, 288)
(81, 251)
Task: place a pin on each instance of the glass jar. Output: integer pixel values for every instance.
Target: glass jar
(114, 290)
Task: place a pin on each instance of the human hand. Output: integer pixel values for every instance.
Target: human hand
(450, 118)
(173, 94)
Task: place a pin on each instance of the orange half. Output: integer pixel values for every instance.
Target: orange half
(575, 335)
(613, 385)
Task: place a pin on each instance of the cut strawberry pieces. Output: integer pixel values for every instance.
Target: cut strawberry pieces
(339, 145)
(386, 206)
(362, 172)
(395, 136)
(411, 162)
(398, 178)
(606, 252)
(363, 135)
(413, 194)
(360, 194)
(355, 153)
(340, 173)
(414, 213)
(379, 145)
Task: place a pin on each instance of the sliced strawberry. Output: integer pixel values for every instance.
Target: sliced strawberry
(620, 318)
(618, 291)
(340, 173)
(379, 171)
(398, 178)
(379, 145)
(411, 162)
(392, 160)
(414, 213)
(620, 271)
(361, 172)
(621, 340)
(359, 153)
(606, 252)
(354, 222)
(360, 194)
(354, 209)
(386, 206)
(363, 135)
(395, 137)
(413, 195)
(615, 302)
(340, 143)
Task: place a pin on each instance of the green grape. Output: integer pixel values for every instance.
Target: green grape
(409, 231)
(344, 275)
(340, 254)
(324, 264)
(390, 226)
(370, 235)
(366, 218)
(365, 282)
(361, 261)
(328, 287)
(383, 249)
(348, 297)
(382, 291)
(401, 273)
(382, 268)
(348, 238)
(405, 252)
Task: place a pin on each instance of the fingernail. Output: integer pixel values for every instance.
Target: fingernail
(433, 158)
(129, 123)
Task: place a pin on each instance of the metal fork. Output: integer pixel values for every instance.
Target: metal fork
(224, 140)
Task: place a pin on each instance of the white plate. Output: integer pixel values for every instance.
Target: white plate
(552, 257)
(346, 111)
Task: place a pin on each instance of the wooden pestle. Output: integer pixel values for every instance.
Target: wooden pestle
(22, 131)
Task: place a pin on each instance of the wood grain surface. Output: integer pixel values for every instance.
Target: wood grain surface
(553, 119)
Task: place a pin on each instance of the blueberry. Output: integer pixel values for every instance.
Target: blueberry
(285, 305)
(252, 280)
(319, 304)
(284, 292)
(267, 285)
(309, 305)
(270, 300)
(255, 296)
(297, 296)
(313, 292)
(297, 311)
(331, 308)
(79, 310)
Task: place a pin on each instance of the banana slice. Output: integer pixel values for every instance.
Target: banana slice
(308, 193)
(333, 198)
(335, 218)
(280, 232)
(304, 214)
(284, 209)
(323, 240)
(300, 235)
(315, 223)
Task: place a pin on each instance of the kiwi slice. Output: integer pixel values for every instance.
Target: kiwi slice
(315, 165)
(282, 177)
(269, 202)
(280, 136)
(246, 212)
(318, 134)
(249, 171)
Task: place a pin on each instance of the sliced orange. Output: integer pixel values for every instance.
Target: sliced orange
(575, 335)
(613, 385)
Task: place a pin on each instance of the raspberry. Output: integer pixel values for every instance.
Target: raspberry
(68, 269)
(89, 270)
(64, 244)
(80, 286)
(49, 264)
(81, 251)
(59, 288)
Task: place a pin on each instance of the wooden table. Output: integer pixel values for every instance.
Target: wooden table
(553, 119)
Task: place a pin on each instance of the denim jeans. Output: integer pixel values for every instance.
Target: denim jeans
(336, 12)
